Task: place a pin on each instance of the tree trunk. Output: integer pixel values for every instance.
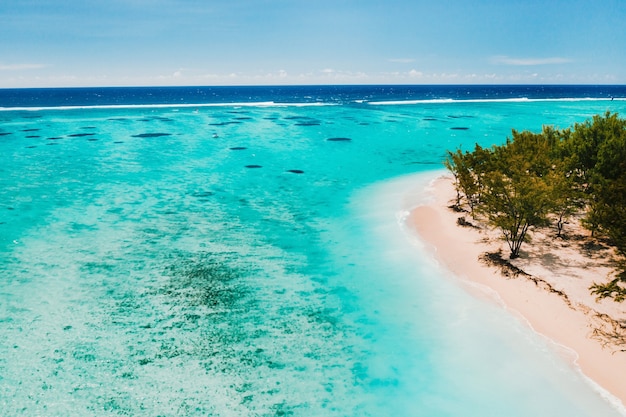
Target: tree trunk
(516, 240)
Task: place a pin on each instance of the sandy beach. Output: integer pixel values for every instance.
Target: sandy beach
(551, 295)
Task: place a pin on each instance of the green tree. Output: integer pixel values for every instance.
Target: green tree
(567, 197)
(566, 200)
(607, 207)
(468, 169)
(514, 202)
(534, 177)
(585, 148)
(610, 212)
(584, 143)
(521, 194)
(454, 164)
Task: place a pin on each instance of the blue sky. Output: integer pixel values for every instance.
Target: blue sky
(236, 42)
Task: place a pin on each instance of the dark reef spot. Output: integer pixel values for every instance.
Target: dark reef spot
(88, 127)
(460, 117)
(238, 148)
(429, 119)
(31, 147)
(339, 139)
(92, 139)
(295, 171)
(159, 118)
(30, 130)
(5, 133)
(54, 138)
(51, 143)
(254, 166)
(243, 118)
(80, 135)
(203, 194)
(32, 136)
(150, 135)
(117, 119)
(118, 141)
(225, 123)
(304, 120)
(459, 128)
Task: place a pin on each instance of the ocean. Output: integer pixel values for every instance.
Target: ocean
(241, 251)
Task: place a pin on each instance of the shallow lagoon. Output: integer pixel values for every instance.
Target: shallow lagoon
(232, 260)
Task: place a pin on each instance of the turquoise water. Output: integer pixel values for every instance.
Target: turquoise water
(234, 261)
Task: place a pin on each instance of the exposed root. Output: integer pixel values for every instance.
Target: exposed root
(511, 271)
(464, 223)
(457, 208)
(507, 268)
(609, 332)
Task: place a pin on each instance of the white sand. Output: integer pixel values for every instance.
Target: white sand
(558, 305)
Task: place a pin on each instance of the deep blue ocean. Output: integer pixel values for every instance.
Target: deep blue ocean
(340, 95)
(241, 251)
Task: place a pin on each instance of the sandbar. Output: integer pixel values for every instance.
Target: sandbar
(552, 295)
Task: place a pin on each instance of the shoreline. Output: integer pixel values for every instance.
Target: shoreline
(552, 298)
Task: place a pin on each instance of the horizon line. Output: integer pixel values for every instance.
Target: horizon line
(314, 85)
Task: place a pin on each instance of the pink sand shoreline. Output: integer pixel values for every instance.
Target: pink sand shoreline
(570, 321)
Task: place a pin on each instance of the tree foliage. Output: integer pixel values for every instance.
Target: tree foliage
(509, 184)
(537, 179)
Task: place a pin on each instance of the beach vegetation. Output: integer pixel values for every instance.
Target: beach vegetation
(536, 180)
(469, 169)
(457, 163)
(510, 184)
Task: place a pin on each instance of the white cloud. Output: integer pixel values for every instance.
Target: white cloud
(445, 77)
(506, 60)
(20, 67)
(190, 76)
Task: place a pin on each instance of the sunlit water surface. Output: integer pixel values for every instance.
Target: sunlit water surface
(252, 261)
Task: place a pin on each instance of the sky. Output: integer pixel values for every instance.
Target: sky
(66, 43)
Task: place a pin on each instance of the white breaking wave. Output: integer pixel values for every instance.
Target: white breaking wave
(488, 100)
